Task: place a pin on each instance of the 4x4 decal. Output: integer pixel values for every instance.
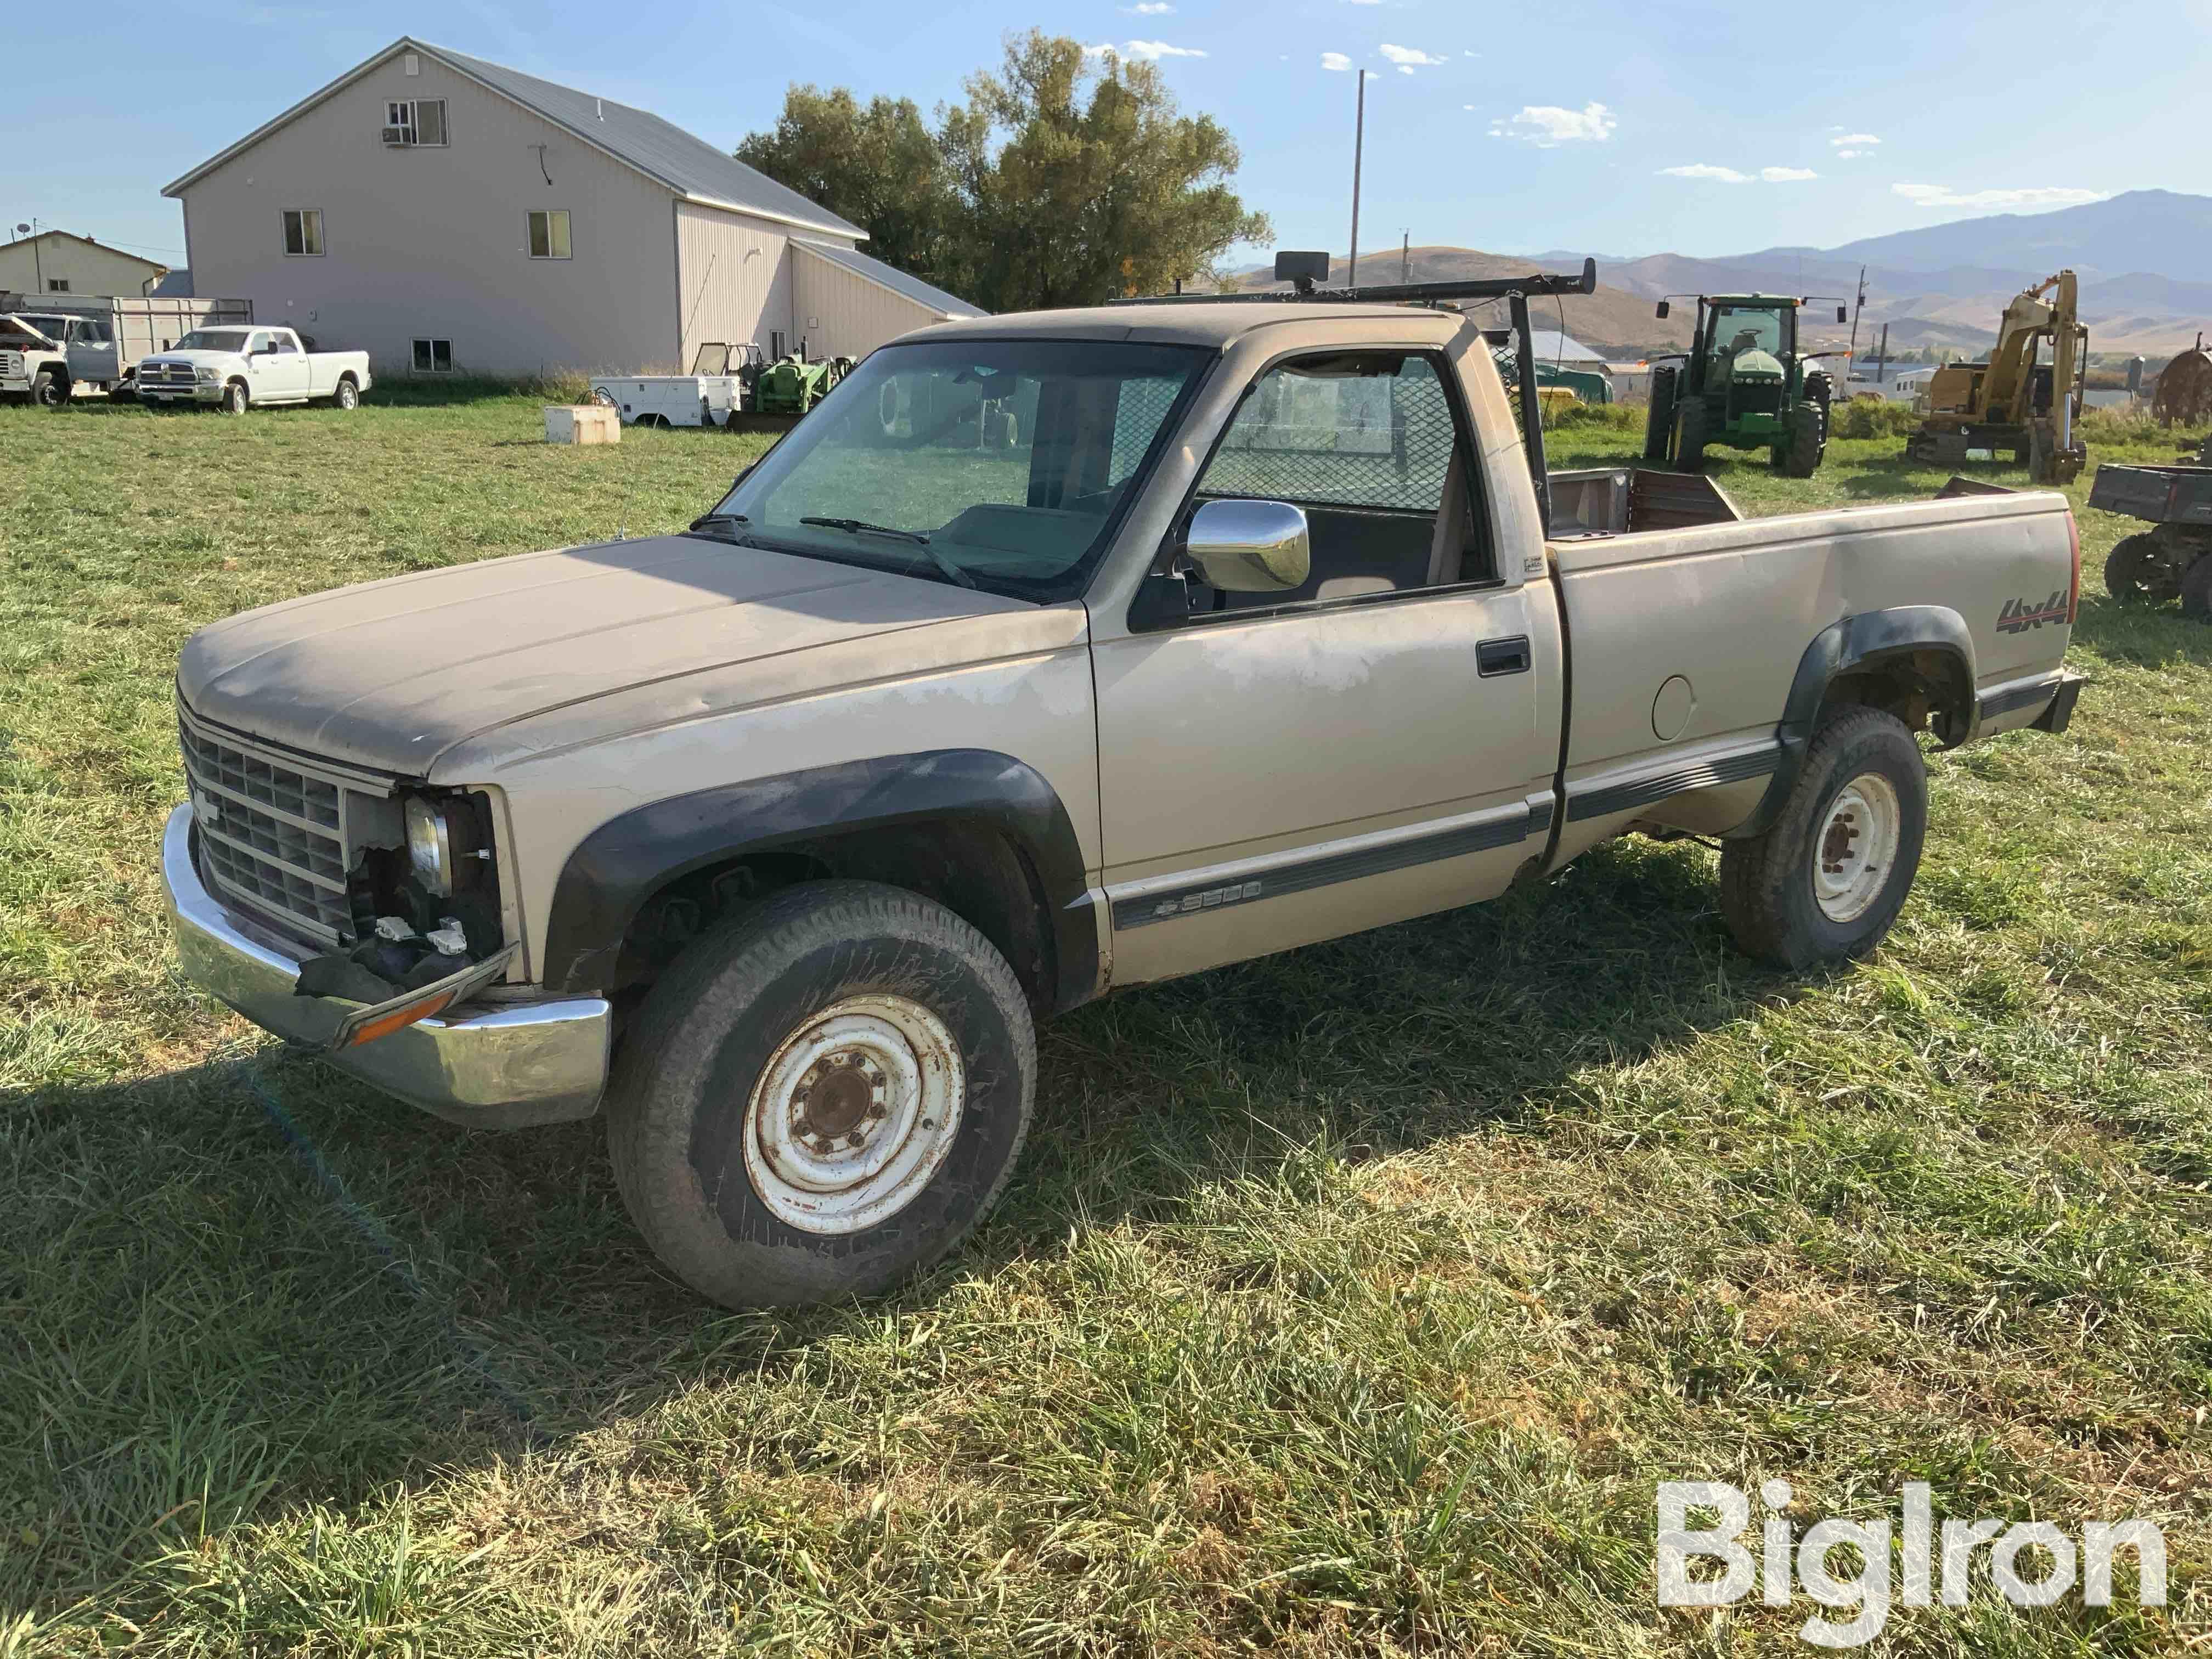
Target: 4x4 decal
(2021, 615)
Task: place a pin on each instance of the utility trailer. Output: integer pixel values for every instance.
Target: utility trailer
(2168, 562)
(721, 386)
(108, 333)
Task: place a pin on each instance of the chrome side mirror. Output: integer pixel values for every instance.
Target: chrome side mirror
(1250, 547)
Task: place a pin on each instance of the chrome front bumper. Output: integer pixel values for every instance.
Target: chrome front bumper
(504, 1068)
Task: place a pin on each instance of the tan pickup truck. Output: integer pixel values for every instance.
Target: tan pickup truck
(1052, 654)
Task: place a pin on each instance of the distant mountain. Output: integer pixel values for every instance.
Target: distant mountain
(2148, 230)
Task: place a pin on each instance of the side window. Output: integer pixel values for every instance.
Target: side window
(1366, 443)
(57, 285)
(549, 233)
(434, 356)
(258, 342)
(303, 232)
(285, 345)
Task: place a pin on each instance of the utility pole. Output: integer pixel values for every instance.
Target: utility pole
(1856, 309)
(1359, 145)
(1406, 257)
(1881, 358)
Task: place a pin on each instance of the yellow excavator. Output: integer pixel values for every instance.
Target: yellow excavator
(2016, 401)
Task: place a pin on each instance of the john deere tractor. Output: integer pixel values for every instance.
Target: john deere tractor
(1742, 383)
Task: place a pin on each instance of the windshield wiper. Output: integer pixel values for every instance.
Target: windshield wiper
(952, 571)
(706, 519)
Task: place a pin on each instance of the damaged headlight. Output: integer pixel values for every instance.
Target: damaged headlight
(430, 845)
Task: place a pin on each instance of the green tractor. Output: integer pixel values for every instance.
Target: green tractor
(1742, 383)
(792, 384)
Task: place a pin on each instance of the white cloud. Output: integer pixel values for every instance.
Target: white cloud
(1366, 2)
(1470, 54)
(1149, 9)
(2035, 196)
(1409, 57)
(1149, 50)
(1851, 154)
(1335, 60)
(1855, 139)
(1730, 176)
(1547, 125)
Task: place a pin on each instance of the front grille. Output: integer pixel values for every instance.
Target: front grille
(270, 835)
(165, 373)
(11, 365)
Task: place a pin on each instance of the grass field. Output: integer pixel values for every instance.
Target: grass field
(1350, 1301)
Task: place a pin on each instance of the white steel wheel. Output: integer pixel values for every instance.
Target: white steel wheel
(853, 1114)
(1856, 847)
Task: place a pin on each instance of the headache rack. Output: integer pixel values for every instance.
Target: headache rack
(1305, 272)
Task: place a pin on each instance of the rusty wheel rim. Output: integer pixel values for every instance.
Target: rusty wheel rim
(853, 1114)
(1856, 847)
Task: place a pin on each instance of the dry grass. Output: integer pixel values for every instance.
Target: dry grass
(1351, 1301)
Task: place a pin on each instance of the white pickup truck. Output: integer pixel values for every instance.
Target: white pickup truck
(771, 839)
(234, 368)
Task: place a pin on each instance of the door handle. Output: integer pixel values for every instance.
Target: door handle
(1510, 656)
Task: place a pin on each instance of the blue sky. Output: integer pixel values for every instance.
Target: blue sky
(1620, 128)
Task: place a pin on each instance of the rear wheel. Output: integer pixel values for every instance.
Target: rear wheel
(349, 395)
(2130, 568)
(1689, 436)
(824, 1097)
(1825, 881)
(2197, 590)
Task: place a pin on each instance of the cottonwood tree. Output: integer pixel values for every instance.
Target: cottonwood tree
(1065, 178)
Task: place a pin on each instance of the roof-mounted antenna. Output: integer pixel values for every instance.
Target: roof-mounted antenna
(599, 107)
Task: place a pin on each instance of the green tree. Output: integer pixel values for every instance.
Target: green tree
(878, 166)
(1066, 179)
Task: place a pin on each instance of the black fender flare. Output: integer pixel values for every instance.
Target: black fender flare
(616, 868)
(1859, 642)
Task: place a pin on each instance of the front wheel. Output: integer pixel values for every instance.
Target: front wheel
(2197, 590)
(822, 1099)
(1825, 882)
(1798, 457)
(49, 391)
(1690, 437)
(234, 398)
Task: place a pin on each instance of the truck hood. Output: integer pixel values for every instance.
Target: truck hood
(532, 652)
(195, 356)
(11, 326)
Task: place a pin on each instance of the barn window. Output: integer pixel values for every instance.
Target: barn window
(434, 356)
(410, 123)
(57, 284)
(549, 233)
(303, 232)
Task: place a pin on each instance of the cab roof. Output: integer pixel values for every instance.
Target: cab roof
(1213, 324)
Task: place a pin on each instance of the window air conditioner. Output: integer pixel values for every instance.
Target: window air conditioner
(395, 135)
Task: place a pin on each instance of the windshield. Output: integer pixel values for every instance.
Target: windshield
(213, 339)
(999, 463)
(1739, 329)
(53, 327)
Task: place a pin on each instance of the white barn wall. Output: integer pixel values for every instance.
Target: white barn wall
(735, 278)
(434, 242)
(843, 314)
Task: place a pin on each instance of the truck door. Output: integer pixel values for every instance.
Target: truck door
(92, 352)
(284, 373)
(1281, 767)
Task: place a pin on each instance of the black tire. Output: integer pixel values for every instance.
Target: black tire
(348, 395)
(1689, 436)
(1659, 419)
(235, 398)
(1800, 457)
(49, 390)
(712, 1029)
(1768, 892)
(2197, 590)
(2129, 568)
